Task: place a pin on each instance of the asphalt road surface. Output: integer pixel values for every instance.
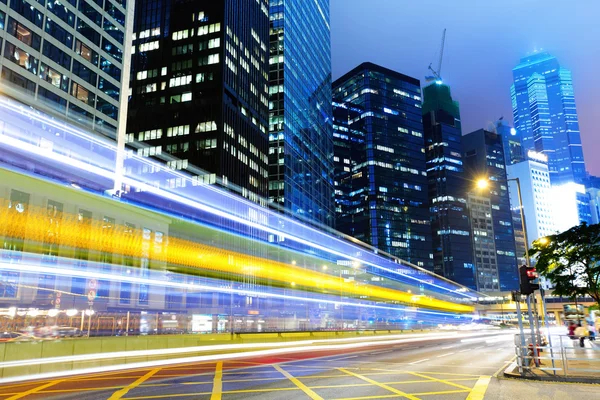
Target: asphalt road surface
(430, 369)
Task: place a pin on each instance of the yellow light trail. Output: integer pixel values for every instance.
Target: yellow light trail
(67, 230)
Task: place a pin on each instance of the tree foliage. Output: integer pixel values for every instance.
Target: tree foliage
(571, 261)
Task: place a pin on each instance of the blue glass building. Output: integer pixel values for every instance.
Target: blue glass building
(546, 117)
(380, 177)
(300, 127)
(483, 154)
(447, 186)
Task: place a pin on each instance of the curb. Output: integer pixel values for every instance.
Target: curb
(508, 373)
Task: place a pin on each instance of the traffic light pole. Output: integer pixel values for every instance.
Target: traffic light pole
(534, 342)
(517, 299)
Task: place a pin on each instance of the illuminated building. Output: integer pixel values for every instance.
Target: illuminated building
(483, 154)
(199, 90)
(546, 117)
(380, 178)
(484, 244)
(536, 192)
(447, 186)
(511, 141)
(69, 59)
(570, 206)
(300, 127)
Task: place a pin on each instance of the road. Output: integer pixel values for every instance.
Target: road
(431, 369)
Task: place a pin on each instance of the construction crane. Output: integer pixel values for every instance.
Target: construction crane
(437, 73)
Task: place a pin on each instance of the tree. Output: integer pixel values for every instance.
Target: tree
(571, 261)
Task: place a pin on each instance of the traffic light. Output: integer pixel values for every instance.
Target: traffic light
(529, 279)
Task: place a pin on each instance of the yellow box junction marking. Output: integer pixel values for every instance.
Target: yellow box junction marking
(297, 382)
(480, 388)
(120, 393)
(381, 385)
(34, 390)
(217, 382)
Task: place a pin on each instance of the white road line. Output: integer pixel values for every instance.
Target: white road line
(462, 351)
(420, 361)
(444, 355)
(447, 347)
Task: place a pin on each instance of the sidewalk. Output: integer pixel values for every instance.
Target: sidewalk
(582, 365)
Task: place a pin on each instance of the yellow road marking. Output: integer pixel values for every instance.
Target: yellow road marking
(120, 393)
(386, 396)
(207, 393)
(296, 382)
(34, 390)
(442, 373)
(503, 367)
(480, 387)
(440, 380)
(381, 385)
(217, 382)
(435, 393)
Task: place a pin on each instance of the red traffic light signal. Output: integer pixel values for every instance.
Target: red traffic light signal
(528, 277)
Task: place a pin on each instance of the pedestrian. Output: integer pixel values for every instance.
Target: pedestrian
(581, 333)
(572, 328)
(591, 332)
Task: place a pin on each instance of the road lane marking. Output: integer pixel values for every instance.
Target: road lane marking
(299, 384)
(420, 361)
(439, 380)
(120, 393)
(444, 355)
(381, 385)
(480, 388)
(447, 347)
(381, 352)
(343, 358)
(34, 390)
(217, 382)
(387, 396)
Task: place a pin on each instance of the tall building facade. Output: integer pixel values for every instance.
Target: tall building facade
(69, 59)
(447, 186)
(571, 205)
(511, 142)
(545, 115)
(300, 113)
(199, 89)
(380, 176)
(484, 245)
(483, 153)
(534, 179)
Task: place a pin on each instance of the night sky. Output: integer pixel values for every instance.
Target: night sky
(484, 41)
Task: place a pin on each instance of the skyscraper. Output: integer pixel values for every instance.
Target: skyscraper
(380, 177)
(511, 141)
(447, 186)
(483, 154)
(546, 117)
(534, 180)
(69, 59)
(200, 89)
(300, 127)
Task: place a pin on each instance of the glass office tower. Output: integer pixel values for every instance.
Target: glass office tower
(199, 90)
(546, 117)
(69, 59)
(300, 127)
(380, 177)
(447, 186)
(483, 154)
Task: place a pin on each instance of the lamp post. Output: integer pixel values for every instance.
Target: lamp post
(483, 184)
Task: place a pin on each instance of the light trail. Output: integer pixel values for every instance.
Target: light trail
(274, 349)
(211, 208)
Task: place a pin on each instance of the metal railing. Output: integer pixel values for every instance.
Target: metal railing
(558, 355)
